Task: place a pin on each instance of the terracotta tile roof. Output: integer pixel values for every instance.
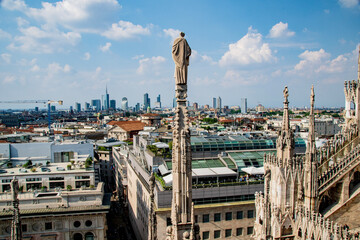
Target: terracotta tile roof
(150, 115)
(128, 125)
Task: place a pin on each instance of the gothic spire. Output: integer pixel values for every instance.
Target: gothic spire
(311, 162)
(311, 137)
(285, 142)
(286, 124)
(16, 233)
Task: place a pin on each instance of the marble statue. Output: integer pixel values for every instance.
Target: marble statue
(181, 52)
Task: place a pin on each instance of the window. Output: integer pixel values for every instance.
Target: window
(206, 235)
(217, 217)
(239, 215)
(55, 178)
(33, 179)
(206, 218)
(228, 232)
(24, 227)
(77, 224)
(168, 222)
(48, 226)
(239, 231)
(78, 184)
(228, 216)
(88, 223)
(217, 233)
(57, 184)
(196, 218)
(250, 230)
(82, 177)
(250, 213)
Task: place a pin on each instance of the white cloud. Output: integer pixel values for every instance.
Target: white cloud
(6, 57)
(310, 59)
(249, 49)
(79, 15)
(125, 30)
(35, 68)
(54, 68)
(206, 81)
(147, 65)
(67, 68)
(106, 47)
(138, 57)
(4, 34)
(9, 79)
(280, 30)
(21, 22)
(316, 62)
(44, 40)
(14, 5)
(97, 71)
(349, 3)
(87, 56)
(242, 78)
(208, 59)
(173, 33)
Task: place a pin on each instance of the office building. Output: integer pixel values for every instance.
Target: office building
(96, 104)
(53, 108)
(174, 103)
(87, 106)
(214, 103)
(113, 104)
(219, 103)
(59, 196)
(137, 107)
(124, 103)
(244, 105)
(77, 107)
(158, 102)
(146, 101)
(105, 100)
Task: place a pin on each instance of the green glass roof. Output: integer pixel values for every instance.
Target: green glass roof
(249, 159)
(229, 163)
(203, 163)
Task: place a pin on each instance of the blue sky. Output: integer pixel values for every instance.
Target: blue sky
(72, 49)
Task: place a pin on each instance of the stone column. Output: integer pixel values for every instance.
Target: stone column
(181, 208)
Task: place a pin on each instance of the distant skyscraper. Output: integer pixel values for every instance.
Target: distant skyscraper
(146, 101)
(124, 104)
(219, 103)
(77, 107)
(87, 106)
(53, 108)
(113, 104)
(244, 105)
(174, 103)
(214, 103)
(137, 107)
(36, 109)
(196, 106)
(158, 102)
(96, 104)
(105, 100)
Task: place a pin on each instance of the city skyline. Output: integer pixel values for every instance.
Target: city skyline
(49, 52)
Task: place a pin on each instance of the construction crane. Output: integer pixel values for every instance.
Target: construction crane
(48, 102)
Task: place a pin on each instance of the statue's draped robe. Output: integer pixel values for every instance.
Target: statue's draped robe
(181, 52)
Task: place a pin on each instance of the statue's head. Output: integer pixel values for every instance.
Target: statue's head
(182, 34)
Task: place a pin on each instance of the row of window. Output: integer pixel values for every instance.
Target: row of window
(228, 233)
(228, 216)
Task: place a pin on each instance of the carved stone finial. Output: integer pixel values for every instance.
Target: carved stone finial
(286, 94)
